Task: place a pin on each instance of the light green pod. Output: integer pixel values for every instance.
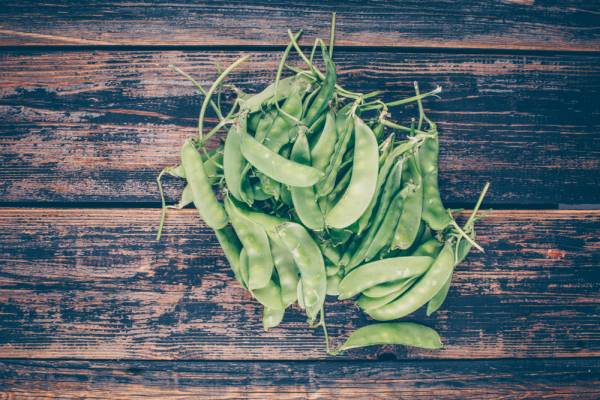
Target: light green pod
(361, 189)
(277, 167)
(256, 245)
(231, 248)
(384, 289)
(333, 283)
(422, 291)
(286, 270)
(386, 270)
(408, 225)
(235, 166)
(309, 261)
(205, 201)
(403, 333)
(304, 198)
(272, 317)
(325, 145)
(269, 296)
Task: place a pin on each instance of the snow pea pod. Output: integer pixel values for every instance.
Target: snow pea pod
(231, 248)
(325, 145)
(333, 283)
(386, 270)
(272, 317)
(256, 244)
(304, 198)
(422, 291)
(408, 224)
(286, 270)
(235, 166)
(344, 126)
(361, 189)
(277, 167)
(384, 289)
(434, 213)
(371, 303)
(403, 333)
(269, 296)
(309, 261)
(205, 201)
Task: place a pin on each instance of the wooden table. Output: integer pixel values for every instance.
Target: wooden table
(92, 306)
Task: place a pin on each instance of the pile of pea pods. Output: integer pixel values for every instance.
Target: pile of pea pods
(315, 191)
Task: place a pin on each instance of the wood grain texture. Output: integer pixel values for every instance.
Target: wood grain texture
(510, 24)
(98, 126)
(506, 379)
(92, 283)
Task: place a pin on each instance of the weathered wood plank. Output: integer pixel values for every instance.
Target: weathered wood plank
(506, 379)
(98, 126)
(93, 283)
(569, 25)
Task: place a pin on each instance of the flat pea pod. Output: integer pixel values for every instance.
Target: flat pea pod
(386, 270)
(205, 201)
(333, 283)
(422, 291)
(321, 101)
(269, 296)
(277, 167)
(361, 189)
(344, 126)
(304, 198)
(463, 248)
(402, 333)
(235, 167)
(272, 317)
(309, 261)
(256, 245)
(231, 248)
(434, 213)
(280, 132)
(325, 146)
(384, 289)
(367, 303)
(254, 103)
(409, 222)
(286, 270)
(244, 268)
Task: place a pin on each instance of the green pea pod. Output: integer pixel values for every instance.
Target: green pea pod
(402, 333)
(244, 268)
(463, 249)
(367, 303)
(269, 296)
(434, 213)
(235, 167)
(386, 270)
(386, 288)
(321, 101)
(256, 244)
(433, 280)
(388, 213)
(408, 225)
(344, 126)
(304, 198)
(277, 167)
(378, 130)
(231, 248)
(286, 270)
(272, 317)
(361, 189)
(205, 201)
(325, 145)
(309, 261)
(333, 283)
(384, 171)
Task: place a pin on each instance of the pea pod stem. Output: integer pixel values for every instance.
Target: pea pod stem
(212, 89)
(215, 108)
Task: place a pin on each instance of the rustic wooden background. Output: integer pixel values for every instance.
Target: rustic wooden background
(92, 306)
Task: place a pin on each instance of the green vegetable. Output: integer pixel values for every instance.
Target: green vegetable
(315, 191)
